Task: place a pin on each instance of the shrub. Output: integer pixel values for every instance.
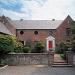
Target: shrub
(61, 48)
(57, 50)
(26, 49)
(38, 48)
(73, 46)
(18, 47)
(63, 56)
(6, 45)
(28, 43)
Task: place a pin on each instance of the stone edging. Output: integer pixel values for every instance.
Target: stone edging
(3, 67)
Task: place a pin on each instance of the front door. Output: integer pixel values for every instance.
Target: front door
(50, 45)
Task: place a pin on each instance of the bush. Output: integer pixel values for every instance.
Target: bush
(61, 48)
(63, 56)
(28, 43)
(6, 44)
(38, 48)
(26, 49)
(18, 47)
(57, 50)
(73, 46)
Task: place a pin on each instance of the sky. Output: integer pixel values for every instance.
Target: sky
(37, 9)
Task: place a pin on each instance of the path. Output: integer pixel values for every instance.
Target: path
(37, 70)
(57, 58)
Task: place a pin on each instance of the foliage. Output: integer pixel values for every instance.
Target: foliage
(18, 47)
(57, 50)
(28, 43)
(6, 44)
(73, 27)
(63, 56)
(61, 48)
(73, 46)
(73, 36)
(38, 48)
(26, 49)
(2, 62)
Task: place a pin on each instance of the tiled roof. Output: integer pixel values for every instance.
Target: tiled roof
(37, 24)
(3, 29)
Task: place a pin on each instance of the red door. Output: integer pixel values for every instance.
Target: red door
(50, 44)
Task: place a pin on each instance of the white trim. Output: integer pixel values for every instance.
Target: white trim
(50, 38)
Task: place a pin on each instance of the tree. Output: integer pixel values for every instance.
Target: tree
(9, 44)
(73, 27)
(6, 45)
(73, 36)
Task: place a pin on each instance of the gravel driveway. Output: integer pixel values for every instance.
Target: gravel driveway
(37, 70)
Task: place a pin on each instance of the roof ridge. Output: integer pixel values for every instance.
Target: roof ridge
(34, 24)
(37, 20)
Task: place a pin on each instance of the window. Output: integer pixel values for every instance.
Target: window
(21, 32)
(68, 31)
(36, 32)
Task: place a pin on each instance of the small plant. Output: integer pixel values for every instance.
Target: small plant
(57, 50)
(18, 47)
(38, 48)
(61, 48)
(26, 49)
(3, 62)
(63, 56)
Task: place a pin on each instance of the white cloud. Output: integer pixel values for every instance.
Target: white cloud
(15, 15)
(44, 9)
(57, 9)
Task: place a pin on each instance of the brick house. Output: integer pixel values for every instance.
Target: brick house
(38, 30)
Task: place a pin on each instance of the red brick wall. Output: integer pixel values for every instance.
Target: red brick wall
(59, 34)
(29, 34)
(61, 30)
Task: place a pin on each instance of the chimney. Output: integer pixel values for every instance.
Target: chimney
(21, 19)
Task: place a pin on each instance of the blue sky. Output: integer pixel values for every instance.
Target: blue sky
(13, 6)
(37, 9)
